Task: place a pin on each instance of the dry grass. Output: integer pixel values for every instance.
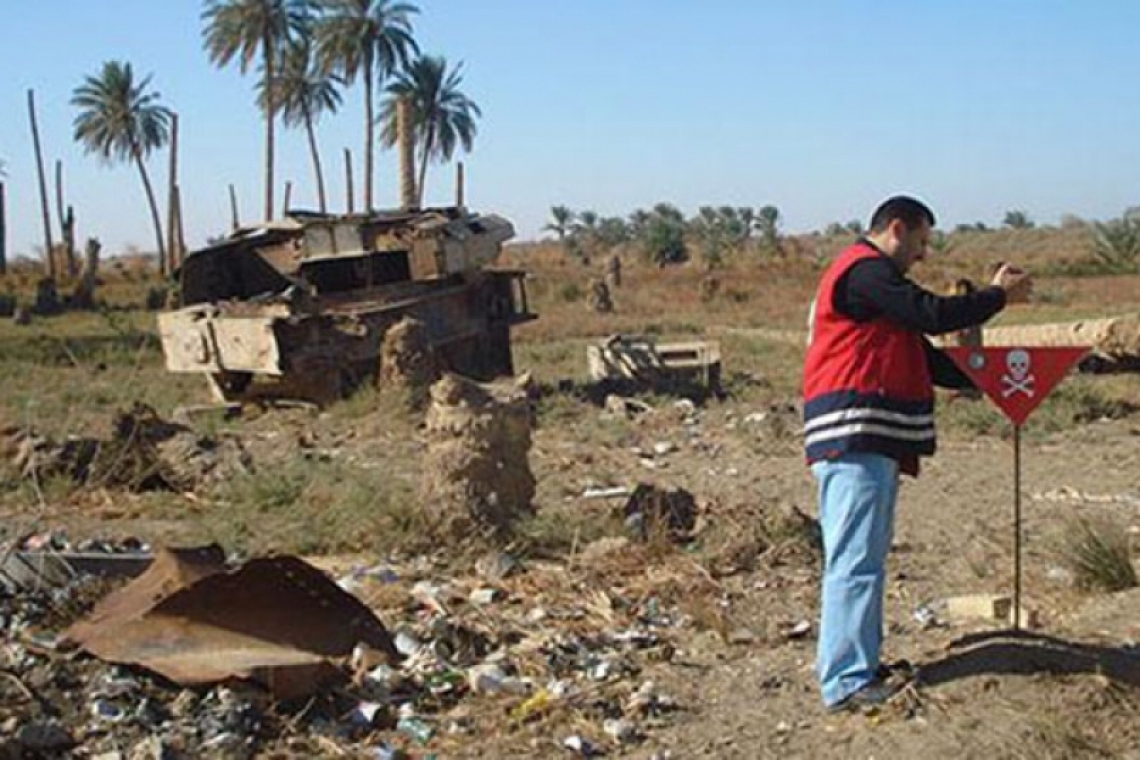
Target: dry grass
(1098, 553)
(67, 374)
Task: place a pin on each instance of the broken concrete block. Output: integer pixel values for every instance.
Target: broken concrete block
(996, 607)
(975, 606)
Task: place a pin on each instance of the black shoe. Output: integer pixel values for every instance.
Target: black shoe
(898, 668)
(875, 694)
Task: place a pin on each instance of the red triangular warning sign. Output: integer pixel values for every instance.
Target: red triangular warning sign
(1017, 378)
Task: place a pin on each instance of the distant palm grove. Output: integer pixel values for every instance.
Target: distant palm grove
(302, 54)
(663, 235)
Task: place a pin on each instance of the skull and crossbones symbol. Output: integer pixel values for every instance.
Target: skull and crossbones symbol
(1018, 379)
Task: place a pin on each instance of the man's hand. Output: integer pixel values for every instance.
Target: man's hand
(1016, 283)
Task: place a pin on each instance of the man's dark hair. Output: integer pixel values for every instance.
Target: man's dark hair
(909, 211)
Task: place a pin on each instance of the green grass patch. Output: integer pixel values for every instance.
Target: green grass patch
(316, 507)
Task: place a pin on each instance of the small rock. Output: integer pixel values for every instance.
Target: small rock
(800, 630)
(581, 745)
(623, 731)
(485, 596)
(741, 636)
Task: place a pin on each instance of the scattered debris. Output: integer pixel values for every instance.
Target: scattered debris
(612, 492)
(994, 607)
(144, 453)
(627, 408)
(651, 510)
(659, 366)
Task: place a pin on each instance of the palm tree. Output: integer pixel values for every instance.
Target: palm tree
(443, 117)
(120, 119)
(561, 222)
(303, 93)
(367, 39)
(245, 29)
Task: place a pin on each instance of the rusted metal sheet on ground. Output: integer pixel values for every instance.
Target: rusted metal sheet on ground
(277, 621)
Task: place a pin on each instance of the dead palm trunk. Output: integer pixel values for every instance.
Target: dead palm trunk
(153, 203)
(172, 251)
(368, 131)
(270, 115)
(429, 141)
(316, 161)
(348, 191)
(48, 246)
(66, 226)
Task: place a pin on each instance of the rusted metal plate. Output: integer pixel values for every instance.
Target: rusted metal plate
(277, 621)
(195, 340)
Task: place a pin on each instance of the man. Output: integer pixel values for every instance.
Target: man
(869, 415)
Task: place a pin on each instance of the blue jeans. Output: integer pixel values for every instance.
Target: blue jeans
(857, 494)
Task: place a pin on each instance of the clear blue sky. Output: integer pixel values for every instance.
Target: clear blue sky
(819, 107)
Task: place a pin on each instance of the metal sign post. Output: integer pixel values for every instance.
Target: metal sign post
(1017, 380)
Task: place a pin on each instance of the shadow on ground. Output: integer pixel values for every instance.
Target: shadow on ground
(1025, 653)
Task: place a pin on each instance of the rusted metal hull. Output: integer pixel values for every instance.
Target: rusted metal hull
(301, 311)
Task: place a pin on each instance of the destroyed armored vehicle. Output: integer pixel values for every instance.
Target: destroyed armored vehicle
(298, 308)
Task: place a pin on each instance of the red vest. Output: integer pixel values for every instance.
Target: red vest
(867, 386)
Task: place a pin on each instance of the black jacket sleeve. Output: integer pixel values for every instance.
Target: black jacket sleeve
(944, 372)
(876, 287)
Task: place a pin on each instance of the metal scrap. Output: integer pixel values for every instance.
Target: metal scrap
(276, 621)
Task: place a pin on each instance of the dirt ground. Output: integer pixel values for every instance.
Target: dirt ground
(743, 684)
(731, 610)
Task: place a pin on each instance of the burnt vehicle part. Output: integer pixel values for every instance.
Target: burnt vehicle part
(298, 308)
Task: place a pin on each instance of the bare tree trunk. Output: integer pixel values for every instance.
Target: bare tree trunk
(429, 140)
(314, 150)
(369, 136)
(180, 237)
(3, 233)
(288, 198)
(405, 144)
(270, 118)
(153, 205)
(348, 180)
(234, 219)
(66, 217)
(459, 184)
(172, 250)
(50, 260)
